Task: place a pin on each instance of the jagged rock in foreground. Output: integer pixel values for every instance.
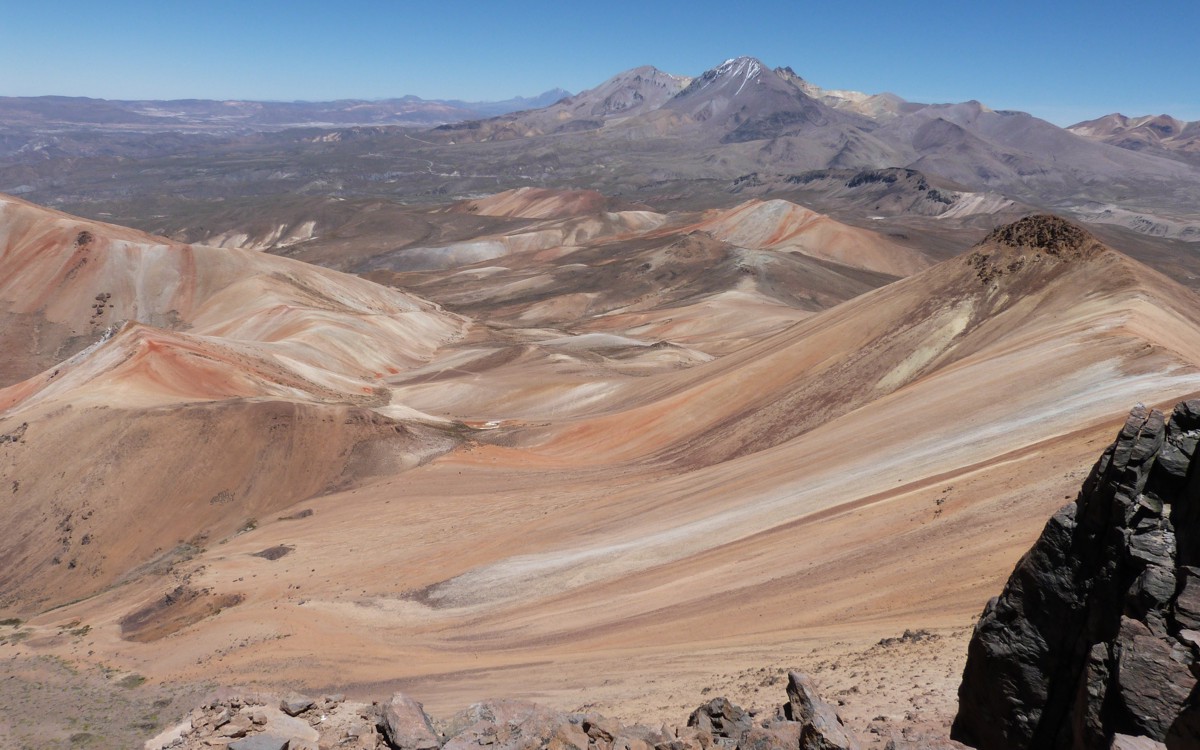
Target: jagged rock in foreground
(823, 728)
(1095, 640)
(253, 722)
(406, 725)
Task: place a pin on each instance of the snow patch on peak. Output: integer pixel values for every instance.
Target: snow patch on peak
(744, 68)
(740, 66)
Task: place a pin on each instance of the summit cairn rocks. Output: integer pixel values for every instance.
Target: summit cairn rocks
(1095, 640)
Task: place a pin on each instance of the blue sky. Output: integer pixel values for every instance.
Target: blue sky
(1066, 62)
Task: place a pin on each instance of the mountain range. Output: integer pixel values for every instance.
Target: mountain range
(642, 134)
(48, 114)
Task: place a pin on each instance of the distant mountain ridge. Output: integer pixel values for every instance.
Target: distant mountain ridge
(234, 116)
(1161, 134)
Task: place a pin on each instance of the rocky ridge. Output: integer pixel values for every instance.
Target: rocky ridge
(1095, 640)
(297, 722)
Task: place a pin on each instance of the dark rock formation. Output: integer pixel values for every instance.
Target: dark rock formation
(1097, 632)
(1045, 232)
(721, 719)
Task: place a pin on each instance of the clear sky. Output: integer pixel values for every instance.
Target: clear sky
(1063, 60)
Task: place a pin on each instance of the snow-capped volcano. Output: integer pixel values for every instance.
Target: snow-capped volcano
(737, 72)
(743, 99)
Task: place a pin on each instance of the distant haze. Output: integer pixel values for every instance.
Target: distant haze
(1064, 63)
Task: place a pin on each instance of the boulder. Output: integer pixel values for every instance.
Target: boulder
(821, 727)
(721, 719)
(1092, 637)
(295, 703)
(407, 727)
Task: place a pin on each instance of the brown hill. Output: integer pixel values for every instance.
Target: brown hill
(781, 225)
(196, 388)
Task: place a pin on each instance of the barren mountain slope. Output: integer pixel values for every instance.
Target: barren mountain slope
(780, 225)
(627, 94)
(1160, 134)
(1033, 160)
(623, 292)
(878, 466)
(215, 386)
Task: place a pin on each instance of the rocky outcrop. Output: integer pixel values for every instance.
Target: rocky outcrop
(1095, 640)
(1053, 234)
(804, 723)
